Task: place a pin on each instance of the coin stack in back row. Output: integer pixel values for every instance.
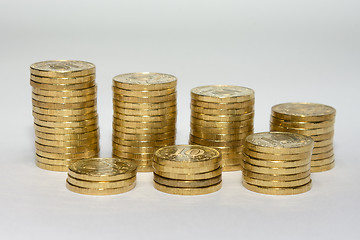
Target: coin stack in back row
(187, 170)
(277, 163)
(101, 176)
(144, 116)
(64, 110)
(309, 119)
(222, 117)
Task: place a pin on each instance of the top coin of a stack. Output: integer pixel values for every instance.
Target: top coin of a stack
(303, 112)
(144, 81)
(62, 68)
(102, 169)
(222, 94)
(191, 156)
(279, 143)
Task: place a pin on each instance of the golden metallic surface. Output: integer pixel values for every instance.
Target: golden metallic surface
(54, 161)
(222, 118)
(65, 93)
(68, 137)
(276, 177)
(198, 176)
(306, 125)
(62, 68)
(102, 169)
(132, 149)
(60, 124)
(143, 106)
(319, 150)
(101, 184)
(160, 99)
(279, 143)
(186, 183)
(58, 106)
(323, 167)
(222, 93)
(60, 87)
(64, 112)
(302, 131)
(276, 157)
(224, 106)
(133, 130)
(58, 168)
(323, 137)
(278, 190)
(186, 170)
(144, 93)
(224, 136)
(303, 112)
(321, 162)
(214, 124)
(79, 155)
(144, 137)
(144, 168)
(145, 118)
(72, 149)
(128, 155)
(133, 124)
(66, 130)
(275, 171)
(322, 155)
(74, 80)
(277, 184)
(99, 191)
(230, 168)
(277, 163)
(188, 191)
(212, 111)
(145, 81)
(231, 161)
(155, 143)
(62, 143)
(63, 100)
(323, 143)
(74, 118)
(212, 143)
(147, 112)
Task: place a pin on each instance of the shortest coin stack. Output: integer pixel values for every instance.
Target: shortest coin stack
(187, 170)
(277, 163)
(101, 176)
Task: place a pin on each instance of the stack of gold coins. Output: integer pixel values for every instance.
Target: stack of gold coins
(187, 170)
(144, 116)
(277, 163)
(309, 119)
(64, 110)
(101, 176)
(222, 117)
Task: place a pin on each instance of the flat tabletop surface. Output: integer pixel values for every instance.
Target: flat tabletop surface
(287, 51)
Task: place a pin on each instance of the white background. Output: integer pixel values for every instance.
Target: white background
(289, 50)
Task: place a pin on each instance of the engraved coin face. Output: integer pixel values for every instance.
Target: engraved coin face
(62, 66)
(279, 140)
(304, 109)
(187, 153)
(102, 167)
(223, 91)
(145, 78)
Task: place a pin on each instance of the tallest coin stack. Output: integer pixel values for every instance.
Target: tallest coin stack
(64, 110)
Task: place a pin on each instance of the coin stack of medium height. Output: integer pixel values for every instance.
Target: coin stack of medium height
(277, 163)
(309, 119)
(101, 176)
(144, 116)
(222, 117)
(64, 110)
(187, 170)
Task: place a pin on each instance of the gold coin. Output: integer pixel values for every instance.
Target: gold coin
(64, 112)
(102, 169)
(144, 81)
(321, 162)
(302, 131)
(276, 177)
(279, 142)
(68, 137)
(212, 124)
(144, 93)
(323, 143)
(73, 80)
(222, 93)
(157, 143)
(197, 176)
(66, 130)
(231, 161)
(74, 118)
(324, 149)
(143, 106)
(278, 191)
(99, 191)
(131, 149)
(276, 164)
(213, 143)
(133, 124)
(62, 68)
(148, 120)
(275, 171)
(79, 155)
(133, 156)
(61, 143)
(305, 125)
(224, 106)
(100, 184)
(184, 170)
(57, 168)
(144, 130)
(322, 137)
(144, 137)
(222, 149)
(186, 183)
(53, 161)
(65, 93)
(231, 156)
(59, 87)
(275, 157)
(145, 168)
(231, 168)
(187, 191)
(63, 100)
(322, 155)
(58, 106)
(219, 111)
(220, 137)
(303, 112)
(145, 118)
(73, 149)
(147, 112)
(277, 184)
(246, 130)
(222, 118)
(160, 99)
(58, 124)
(323, 167)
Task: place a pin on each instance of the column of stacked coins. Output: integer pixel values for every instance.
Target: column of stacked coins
(101, 176)
(277, 163)
(144, 116)
(310, 119)
(64, 110)
(187, 170)
(222, 117)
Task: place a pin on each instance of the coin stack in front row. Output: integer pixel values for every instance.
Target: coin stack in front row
(309, 119)
(187, 170)
(144, 116)
(277, 163)
(64, 110)
(222, 117)
(101, 176)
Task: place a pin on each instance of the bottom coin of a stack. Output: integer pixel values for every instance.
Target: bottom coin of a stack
(52, 167)
(101, 176)
(188, 191)
(187, 183)
(278, 190)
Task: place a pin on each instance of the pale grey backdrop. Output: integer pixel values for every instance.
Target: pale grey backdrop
(285, 50)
